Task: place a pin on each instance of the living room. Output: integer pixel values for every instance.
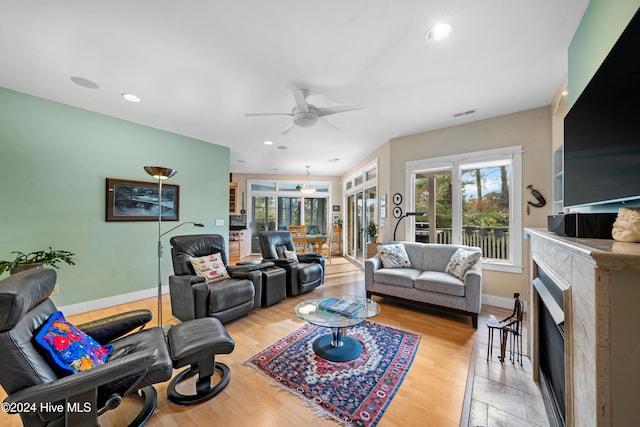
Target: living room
(58, 156)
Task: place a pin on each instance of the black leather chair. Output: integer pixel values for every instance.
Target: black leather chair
(302, 276)
(193, 298)
(138, 360)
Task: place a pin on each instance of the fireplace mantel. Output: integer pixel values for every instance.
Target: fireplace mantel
(600, 280)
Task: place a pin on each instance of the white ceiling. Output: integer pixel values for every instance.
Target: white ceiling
(200, 65)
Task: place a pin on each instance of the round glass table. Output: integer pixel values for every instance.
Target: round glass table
(337, 346)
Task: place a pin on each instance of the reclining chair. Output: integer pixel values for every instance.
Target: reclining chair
(44, 397)
(303, 275)
(193, 298)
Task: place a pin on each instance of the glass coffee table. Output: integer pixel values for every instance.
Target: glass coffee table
(336, 346)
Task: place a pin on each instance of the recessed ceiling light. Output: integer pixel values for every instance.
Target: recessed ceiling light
(268, 143)
(438, 32)
(242, 161)
(81, 81)
(334, 160)
(274, 169)
(282, 147)
(131, 97)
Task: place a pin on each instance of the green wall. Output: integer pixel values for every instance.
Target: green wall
(601, 25)
(53, 164)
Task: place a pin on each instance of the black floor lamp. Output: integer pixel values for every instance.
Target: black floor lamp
(403, 216)
(161, 174)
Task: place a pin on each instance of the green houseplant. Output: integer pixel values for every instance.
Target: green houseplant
(372, 231)
(36, 259)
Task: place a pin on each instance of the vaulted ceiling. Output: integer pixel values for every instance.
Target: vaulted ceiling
(199, 66)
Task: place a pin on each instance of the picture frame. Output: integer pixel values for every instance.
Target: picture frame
(128, 200)
(383, 212)
(335, 217)
(336, 208)
(383, 199)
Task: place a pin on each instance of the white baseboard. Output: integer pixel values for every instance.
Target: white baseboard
(97, 304)
(500, 302)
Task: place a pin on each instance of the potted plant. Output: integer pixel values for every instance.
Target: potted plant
(337, 224)
(36, 259)
(372, 231)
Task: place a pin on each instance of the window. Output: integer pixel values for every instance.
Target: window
(276, 205)
(470, 199)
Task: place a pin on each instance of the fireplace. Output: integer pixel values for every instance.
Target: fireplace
(551, 347)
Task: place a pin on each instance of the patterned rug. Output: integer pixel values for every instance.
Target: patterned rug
(355, 393)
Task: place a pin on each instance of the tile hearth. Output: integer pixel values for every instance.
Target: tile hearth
(503, 394)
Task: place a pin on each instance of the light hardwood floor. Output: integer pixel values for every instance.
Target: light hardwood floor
(432, 392)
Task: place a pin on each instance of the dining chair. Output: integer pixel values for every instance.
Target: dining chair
(299, 237)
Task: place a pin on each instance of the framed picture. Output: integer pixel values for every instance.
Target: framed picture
(336, 208)
(138, 201)
(383, 199)
(383, 212)
(335, 217)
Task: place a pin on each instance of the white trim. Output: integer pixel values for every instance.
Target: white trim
(84, 307)
(455, 163)
(500, 302)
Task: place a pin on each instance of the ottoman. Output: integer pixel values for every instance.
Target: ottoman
(196, 343)
(274, 285)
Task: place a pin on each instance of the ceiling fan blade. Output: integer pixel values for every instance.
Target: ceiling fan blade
(300, 95)
(287, 129)
(325, 121)
(267, 114)
(325, 111)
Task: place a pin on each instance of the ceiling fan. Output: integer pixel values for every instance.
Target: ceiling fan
(305, 114)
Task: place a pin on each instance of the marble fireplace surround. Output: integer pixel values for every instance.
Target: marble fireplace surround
(600, 280)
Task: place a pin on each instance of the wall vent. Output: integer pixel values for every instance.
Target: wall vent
(465, 113)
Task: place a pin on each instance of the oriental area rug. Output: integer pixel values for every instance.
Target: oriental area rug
(354, 393)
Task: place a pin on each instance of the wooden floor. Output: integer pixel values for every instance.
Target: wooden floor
(432, 393)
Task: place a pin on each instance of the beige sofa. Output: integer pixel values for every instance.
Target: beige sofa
(426, 281)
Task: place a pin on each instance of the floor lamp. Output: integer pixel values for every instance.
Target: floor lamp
(161, 174)
(403, 216)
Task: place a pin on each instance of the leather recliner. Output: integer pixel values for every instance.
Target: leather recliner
(44, 397)
(192, 297)
(302, 276)
(137, 361)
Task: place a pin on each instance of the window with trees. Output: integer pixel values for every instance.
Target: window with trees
(470, 199)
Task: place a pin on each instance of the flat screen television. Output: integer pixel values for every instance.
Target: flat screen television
(602, 129)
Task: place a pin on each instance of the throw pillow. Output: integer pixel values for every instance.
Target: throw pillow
(394, 256)
(210, 267)
(291, 255)
(68, 349)
(461, 261)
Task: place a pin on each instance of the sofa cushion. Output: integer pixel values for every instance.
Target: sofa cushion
(210, 267)
(437, 281)
(403, 277)
(394, 256)
(461, 261)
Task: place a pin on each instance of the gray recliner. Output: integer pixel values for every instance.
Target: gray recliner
(302, 276)
(193, 298)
